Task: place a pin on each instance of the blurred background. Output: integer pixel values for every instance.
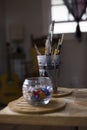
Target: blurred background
(19, 19)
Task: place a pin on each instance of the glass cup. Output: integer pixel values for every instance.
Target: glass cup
(43, 62)
(48, 66)
(37, 90)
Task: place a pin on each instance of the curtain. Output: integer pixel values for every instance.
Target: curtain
(77, 8)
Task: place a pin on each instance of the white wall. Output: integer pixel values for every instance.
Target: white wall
(73, 68)
(27, 13)
(34, 15)
(46, 15)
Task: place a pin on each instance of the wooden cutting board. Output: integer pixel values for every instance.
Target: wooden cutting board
(21, 106)
(62, 92)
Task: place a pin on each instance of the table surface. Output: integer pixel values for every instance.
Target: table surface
(73, 114)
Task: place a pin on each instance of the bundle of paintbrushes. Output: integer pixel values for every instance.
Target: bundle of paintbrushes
(49, 62)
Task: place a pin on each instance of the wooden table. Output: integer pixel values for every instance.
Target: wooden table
(72, 115)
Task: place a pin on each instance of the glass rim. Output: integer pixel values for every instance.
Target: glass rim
(35, 78)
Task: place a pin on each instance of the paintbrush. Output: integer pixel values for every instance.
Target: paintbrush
(57, 50)
(37, 50)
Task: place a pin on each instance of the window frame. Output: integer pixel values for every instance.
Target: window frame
(68, 19)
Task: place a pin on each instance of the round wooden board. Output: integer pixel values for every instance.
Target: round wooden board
(21, 106)
(62, 92)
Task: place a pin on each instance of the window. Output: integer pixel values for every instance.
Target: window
(64, 20)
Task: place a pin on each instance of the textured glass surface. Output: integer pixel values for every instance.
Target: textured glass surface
(37, 90)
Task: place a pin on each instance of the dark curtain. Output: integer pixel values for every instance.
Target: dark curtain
(77, 8)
